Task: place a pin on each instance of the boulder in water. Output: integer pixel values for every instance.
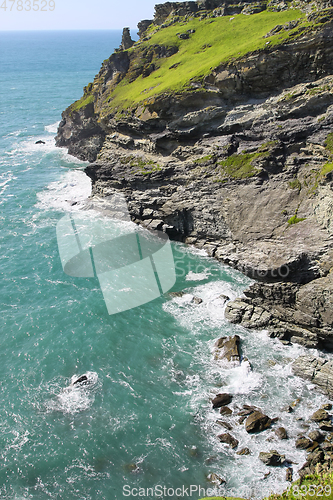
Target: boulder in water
(257, 422)
(221, 400)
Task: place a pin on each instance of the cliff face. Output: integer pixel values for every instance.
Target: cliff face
(234, 154)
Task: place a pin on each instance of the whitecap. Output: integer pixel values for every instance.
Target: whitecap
(52, 129)
(67, 194)
(75, 398)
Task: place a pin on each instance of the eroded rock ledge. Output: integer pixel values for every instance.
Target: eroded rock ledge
(293, 313)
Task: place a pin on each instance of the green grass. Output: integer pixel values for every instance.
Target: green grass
(295, 184)
(82, 103)
(329, 142)
(214, 42)
(294, 219)
(239, 166)
(311, 487)
(328, 167)
(204, 159)
(140, 165)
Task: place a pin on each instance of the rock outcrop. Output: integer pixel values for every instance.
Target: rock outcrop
(319, 371)
(291, 312)
(240, 162)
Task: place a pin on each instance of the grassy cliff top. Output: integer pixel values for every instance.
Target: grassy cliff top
(215, 41)
(210, 43)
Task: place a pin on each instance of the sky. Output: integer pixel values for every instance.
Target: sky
(74, 14)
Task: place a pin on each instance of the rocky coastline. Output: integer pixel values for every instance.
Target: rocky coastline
(240, 164)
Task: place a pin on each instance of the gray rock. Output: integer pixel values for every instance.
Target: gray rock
(319, 371)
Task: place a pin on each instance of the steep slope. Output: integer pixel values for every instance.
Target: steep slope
(217, 127)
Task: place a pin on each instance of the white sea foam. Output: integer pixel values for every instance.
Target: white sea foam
(69, 193)
(191, 276)
(52, 129)
(5, 179)
(75, 398)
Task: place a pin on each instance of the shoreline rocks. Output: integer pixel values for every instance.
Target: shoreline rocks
(228, 348)
(319, 371)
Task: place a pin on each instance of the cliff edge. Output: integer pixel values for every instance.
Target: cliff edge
(217, 127)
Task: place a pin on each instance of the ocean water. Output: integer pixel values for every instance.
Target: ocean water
(146, 420)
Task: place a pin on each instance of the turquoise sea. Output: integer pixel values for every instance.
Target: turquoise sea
(145, 427)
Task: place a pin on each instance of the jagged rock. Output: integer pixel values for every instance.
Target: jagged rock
(271, 458)
(289, 474)
(243, 451)
(221, 400)
(228, 348)
(126, 41)
(281, 433)
(215, 479)
(224, 298)
(319, 415)
(143, 26)
(326, 425)
(318, 371)
(302, 443)
(224, 424)
(257, 422)
(196, 300)
(316, 457)
(228, 439)
(225, 410)
(316, 436)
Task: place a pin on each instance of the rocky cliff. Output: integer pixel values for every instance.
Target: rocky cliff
(217, 127)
